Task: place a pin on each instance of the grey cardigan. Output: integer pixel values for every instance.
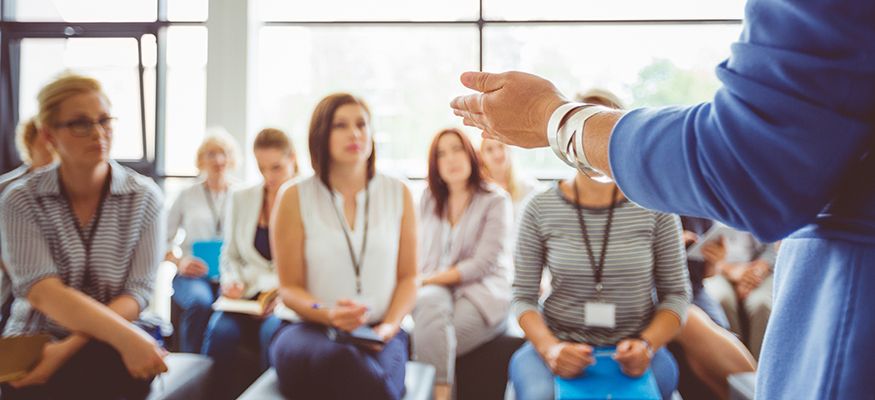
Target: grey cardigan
(480, 250)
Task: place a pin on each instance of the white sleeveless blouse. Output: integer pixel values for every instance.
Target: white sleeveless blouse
(330, 270)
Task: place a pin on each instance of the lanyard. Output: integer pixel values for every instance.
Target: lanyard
(86, 238)
(356, 262)
(600, 267)
(217, 216)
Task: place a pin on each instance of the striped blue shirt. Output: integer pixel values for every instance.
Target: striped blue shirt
(645, 267)
(41, 240)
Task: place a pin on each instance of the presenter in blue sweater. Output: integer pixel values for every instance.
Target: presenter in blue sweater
(784, 150)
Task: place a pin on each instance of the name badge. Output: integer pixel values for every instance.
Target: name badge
(599, 315)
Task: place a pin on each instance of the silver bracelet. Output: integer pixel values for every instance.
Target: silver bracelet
(559, 142)
(576, 125)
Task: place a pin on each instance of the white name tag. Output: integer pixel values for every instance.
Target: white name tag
(599, 315)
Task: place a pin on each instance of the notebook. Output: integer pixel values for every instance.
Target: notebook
(257, 307)
(209, 252)
(605, 380)
(20, 355)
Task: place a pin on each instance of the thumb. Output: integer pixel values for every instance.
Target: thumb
(623, 346)
(482, 81)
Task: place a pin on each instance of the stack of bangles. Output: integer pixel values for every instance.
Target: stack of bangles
(566, 139)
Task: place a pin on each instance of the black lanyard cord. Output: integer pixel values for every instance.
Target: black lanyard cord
(217, 216)
(600, 267)
(356, 262)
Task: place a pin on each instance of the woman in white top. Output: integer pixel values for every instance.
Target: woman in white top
(199, 212)
(345, 249)
(247, 267)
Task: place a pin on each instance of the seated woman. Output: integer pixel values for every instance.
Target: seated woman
(82, 241)
(36, 152)
(465, 294)
(607, 258)
(706, 352)
(199, 211)
(344, 243)
(247, 269)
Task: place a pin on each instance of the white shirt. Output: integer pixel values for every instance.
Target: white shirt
(197, 216)
(330, 270)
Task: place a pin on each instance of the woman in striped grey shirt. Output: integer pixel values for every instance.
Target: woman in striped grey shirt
(571, 230)
(81, 242)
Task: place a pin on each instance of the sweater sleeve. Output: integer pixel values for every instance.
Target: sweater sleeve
(793, 117)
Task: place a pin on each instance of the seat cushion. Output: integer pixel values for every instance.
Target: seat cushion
(418, 381)
(186, 378)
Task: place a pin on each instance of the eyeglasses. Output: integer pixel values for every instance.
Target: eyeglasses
(82, 127)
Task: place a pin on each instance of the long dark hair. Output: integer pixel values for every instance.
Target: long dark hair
(320, 134)
(436, 184)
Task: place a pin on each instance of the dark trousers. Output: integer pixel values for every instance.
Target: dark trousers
(226, 334)
(310, 365)
(95, 372)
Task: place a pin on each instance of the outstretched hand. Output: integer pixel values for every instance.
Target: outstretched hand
(511, 107)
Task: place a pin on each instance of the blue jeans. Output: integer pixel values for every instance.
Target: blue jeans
(195, 296)
(532, 379)
(225, 334)
(310, 365)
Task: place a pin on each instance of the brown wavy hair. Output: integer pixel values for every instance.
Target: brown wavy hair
(436, 185)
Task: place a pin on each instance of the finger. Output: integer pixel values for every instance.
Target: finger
(583, 348)
(482, 81)
(344, 302)
(470, 122)
(469, 103)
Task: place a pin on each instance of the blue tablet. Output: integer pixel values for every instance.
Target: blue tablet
(605, 380)
(209, 252)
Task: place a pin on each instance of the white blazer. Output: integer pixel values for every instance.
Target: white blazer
(241, 262)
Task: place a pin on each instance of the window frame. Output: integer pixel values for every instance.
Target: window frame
(12, 32)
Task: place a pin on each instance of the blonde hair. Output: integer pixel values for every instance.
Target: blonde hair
(24, 139)
(62, 88)
(512, 188)
(272, 138)
(602, 97)
(219, 138)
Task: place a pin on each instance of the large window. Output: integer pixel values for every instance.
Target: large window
(150, 56)
(405, 58)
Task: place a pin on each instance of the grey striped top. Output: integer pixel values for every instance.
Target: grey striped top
(40, 240)
(645, 267)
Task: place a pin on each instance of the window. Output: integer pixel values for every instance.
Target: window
(644, 64)
(402, 72)
(405, 60)
(113, 61)
(150, 56)
(186, 98)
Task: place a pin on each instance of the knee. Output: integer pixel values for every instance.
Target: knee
(432, 303)
(223, 329)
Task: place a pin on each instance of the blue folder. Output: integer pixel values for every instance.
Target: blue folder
(605, 380)
(209, 252)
